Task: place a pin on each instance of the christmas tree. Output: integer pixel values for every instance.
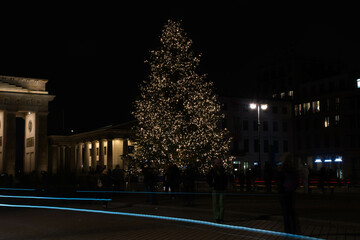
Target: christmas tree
(178, 112)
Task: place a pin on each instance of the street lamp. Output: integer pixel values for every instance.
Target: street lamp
(259, 107)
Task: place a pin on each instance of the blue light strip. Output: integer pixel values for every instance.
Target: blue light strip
(241, 228)
(173, 193)
(57, 198)
(18, 189)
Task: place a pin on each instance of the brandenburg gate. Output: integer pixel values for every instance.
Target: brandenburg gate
(23, 124)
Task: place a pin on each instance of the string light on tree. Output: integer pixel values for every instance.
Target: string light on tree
(178, 112)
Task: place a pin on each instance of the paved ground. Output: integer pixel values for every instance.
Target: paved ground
(320, 216)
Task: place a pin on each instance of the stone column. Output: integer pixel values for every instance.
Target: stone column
(79, 163)
(101, 153)
(53, 161)
(86, 156)
(58, 164)
(9, 142)
(93, 155)
(62, 158)
(73, 158)
(41, 144)
(110, 153)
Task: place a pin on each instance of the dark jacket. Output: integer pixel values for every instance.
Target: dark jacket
(217, 178)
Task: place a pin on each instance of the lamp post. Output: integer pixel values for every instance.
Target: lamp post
(259, 107)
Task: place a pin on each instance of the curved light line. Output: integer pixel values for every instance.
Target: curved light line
(18, 189)
(173, 193)
(293, 236)
(56, 198)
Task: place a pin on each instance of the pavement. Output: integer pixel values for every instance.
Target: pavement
(322, 216)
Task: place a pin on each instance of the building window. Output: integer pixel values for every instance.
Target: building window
(246, 125)
(327, 104)
(316, 106)
(358, 83)
(265, 126)
(275, 126)
(276, 146)
(296, 110)
(246, 145)
(337, 119)
(327, 122)
(256, 145)
(255, 123)
(284, 126)
(266, 146)
(105, 152)
(274, 109)
(306, 107)
(285, 146)
(337, 104)
(284, 110)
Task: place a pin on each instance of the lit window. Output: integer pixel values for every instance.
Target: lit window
(338, 159)
(337, 104)
(291, 93)
(337, 119)
(317, 106)
(282, 95)
(358, 83)
(327, 122)
(307, 107)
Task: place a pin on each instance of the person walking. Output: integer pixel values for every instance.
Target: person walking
(218, 181)
(287, 180)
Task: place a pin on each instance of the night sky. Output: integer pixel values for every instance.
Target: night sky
(93, 54)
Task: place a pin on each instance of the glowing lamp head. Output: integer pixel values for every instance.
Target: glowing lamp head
(253, 105)
(264, 106)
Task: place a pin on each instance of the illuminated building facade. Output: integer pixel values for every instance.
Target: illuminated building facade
(325, 96)
(23, 124)
(253, 143)
(84, 152)
(327, 124)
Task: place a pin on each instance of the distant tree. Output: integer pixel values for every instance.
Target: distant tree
(178, 112)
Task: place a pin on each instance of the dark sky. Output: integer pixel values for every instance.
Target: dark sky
(93, 54)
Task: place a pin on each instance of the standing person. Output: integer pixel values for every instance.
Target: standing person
(105, 184)
(305, 177)
(189, 178)
(218, 181)
(322, 179)
(150, 179)
(118, 178)
(287, 181)
(268, 175)
(174, 179)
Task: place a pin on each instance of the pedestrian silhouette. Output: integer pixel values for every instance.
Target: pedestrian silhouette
(218, 181)
(150, 180)
(105, 184)
(287, 180)
(118, 177)
(188, 179)
(174, 179)
(305, 177)
(268, 175)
